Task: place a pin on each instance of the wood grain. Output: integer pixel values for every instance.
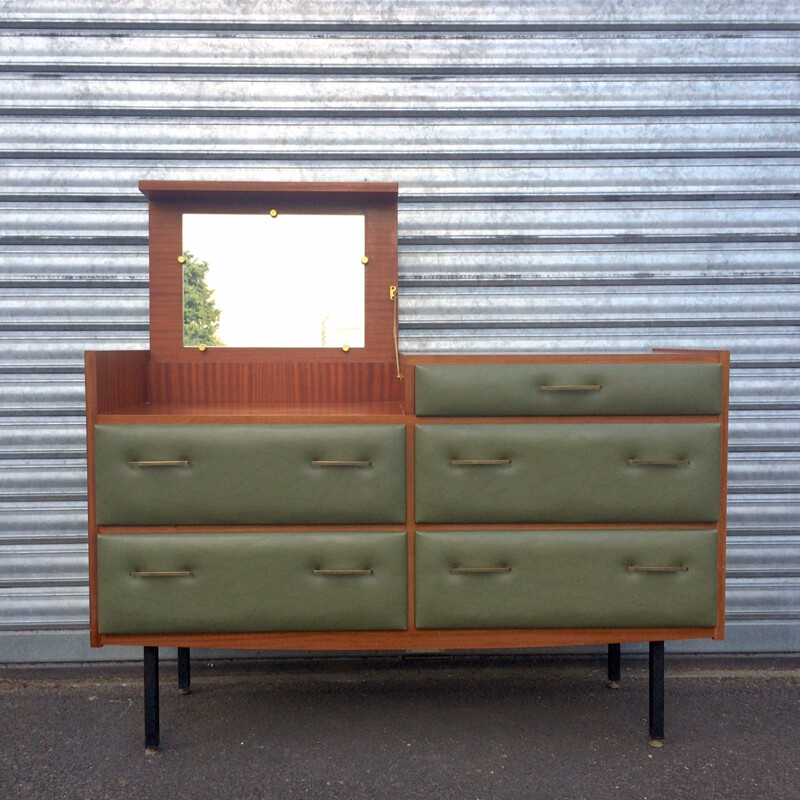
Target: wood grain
(126, 387)
(413, 640)
(114, 379)
(294, 383)
(169, 200)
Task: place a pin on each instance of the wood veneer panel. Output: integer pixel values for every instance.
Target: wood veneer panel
(296, 383)
(222, 190)
(114, 379)
(413, 639)
(183, 414)
(200, 385)
(169, 200)
(719, 631)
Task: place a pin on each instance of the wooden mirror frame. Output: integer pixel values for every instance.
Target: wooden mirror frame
(170, 200)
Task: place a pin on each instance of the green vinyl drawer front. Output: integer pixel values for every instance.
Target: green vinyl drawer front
(573, 472)
(250, 474)
(567, 389)
(251, 582)
(566, 578)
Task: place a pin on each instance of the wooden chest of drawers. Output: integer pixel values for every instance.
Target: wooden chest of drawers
(504, 502)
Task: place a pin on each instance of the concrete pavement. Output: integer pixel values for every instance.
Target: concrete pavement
(465, 728)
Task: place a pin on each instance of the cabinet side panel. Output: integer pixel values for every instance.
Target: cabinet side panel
(114, 379)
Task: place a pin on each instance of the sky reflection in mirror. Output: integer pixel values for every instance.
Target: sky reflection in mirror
(294, 280)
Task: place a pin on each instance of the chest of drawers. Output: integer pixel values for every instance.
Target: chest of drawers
(498, 502)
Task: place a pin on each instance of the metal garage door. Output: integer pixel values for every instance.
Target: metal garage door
(587, 176)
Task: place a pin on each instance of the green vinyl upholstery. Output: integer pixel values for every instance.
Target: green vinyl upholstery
(608, 389)
(250, 474)
(239, 582)
(568, 473)
(566, 578)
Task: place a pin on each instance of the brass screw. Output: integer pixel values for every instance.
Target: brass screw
(181, 259)
(346, 348)
(273, 213)
(202, 348)
(365, 260)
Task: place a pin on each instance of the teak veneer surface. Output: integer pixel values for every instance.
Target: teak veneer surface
(193, 413)
(413, 639)
(169, 200)
(122, 388)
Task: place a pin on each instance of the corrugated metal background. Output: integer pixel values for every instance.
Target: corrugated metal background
(586, 176)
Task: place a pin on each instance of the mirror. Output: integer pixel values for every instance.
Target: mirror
(274, 280)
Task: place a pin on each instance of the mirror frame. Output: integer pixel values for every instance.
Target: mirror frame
(169, 200)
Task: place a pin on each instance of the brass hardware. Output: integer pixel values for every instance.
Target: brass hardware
(202, 348)
(342, 572)
(480, 462)
(643, 462)
(177, 574)
(365, 260)
(395, 334)
(580, 387)
(479, 570)
(159, 464)
(273, 213)
(636, 568)
(181, 259)
(319, 463)
(345, 348)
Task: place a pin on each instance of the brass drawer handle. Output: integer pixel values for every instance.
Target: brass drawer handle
(159, 463)
(319, 463)
(638, 568)
(338, 573)
(480, 462)
(643, 462)
(175, 574)
(579, 387)
(479, 570)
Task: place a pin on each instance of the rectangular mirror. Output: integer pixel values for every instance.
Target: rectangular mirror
(274, 280)
(262, 273)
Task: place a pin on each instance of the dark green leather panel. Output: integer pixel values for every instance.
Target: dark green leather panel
(515, 389)
(256, 474)
(251, 582)
(566, 578)
(567, 473)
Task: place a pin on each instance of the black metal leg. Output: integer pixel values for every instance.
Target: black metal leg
(151, 726)
(614, 666)
(184, 671)
(656, 675)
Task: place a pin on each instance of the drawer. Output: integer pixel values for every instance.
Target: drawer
(236, 582)
(623, 472)
(566, 579)
(250, 474)
(567, 389)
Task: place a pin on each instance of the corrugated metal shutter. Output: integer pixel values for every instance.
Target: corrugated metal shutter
(586, 176)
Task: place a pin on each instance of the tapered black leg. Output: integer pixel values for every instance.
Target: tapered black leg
(656, 675)
(151, 724)
(614, 666)
(184, 671)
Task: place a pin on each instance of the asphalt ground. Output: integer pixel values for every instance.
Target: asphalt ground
(465, 728)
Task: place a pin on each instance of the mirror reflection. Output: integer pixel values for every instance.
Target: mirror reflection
(254, 280)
